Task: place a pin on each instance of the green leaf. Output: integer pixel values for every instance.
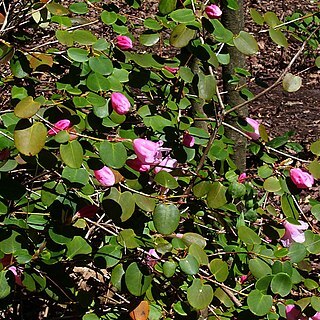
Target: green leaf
(246, 43)
(199, 295)
(201, 256)
(207, 86)
(145, 203)
(167, 6)
(110, 254)
(281, 284)
(127, 238)
(315, 210)
(27, 108)
(31, 140)
(116, 276)
(315, 148)
(57, 9)
(258, 303)
(189, 265)
(80, 176)
(72, 154)
(278, 37)
(314, 168)
(137, 280)
(5, 288)
(272, 184)
(97, 82)
(127, 205)
(79, 8)
(256, 17)
(108, 18)
(182, 16)
(181, 35)
(297, 252)
(219, 269)
(289, 207)
(315, 303)
(312, 242)
(77, 246)
(259, 268)
(101, 65)
(152, 24)
(6, 52)
(149, 39)
(113, 154)
(248, 236)
(271, 19)
(84, 37)
(166, 218)
(166, 180)
(317, 62)
(64, 37)
(169, 269)
(216, 197)
(189, 238)
(291, 83)
(78, 54)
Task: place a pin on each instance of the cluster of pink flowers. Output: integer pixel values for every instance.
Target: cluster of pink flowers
(293, 313)
(120, 103)
(213, 11)
(149, 154)
(301, 179)
(124, 43)
(60, 125)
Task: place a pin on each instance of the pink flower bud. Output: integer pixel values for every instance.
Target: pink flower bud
(120, 103)
(213, 11)
(188, 140)
(255, 125)
(243, 278)
(137, 165)
(242, 178)
(293, 313)
(173, 70)
(167, 164)
(301, 179)
(293, 232)
(17, 272)
(64, 124)
(124, 43)
(88, 211)
(148, 152)
(105, 176)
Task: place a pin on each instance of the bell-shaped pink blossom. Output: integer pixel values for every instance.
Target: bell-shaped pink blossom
(148, 152)
(293, 232)
(124, 43)
(294, 313)
(63, 124)
(88, 211)
(167, 164)
(137, 165)
(173, 70)
(120, 103)
(188, 140)
(242, 178)
(105, 176)
(255, 125)
(213, 11)
(301, 179)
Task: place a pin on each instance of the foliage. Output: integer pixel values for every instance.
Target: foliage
(167, 243)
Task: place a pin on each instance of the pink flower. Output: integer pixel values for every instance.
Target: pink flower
(7, 260)
(64, 124)
(148, 152)
(188, 140)
(293, 232)
(301, 179)
(120, 103)
(316, 316)
(88, 211)
(152, 258)
(167, 164)
(173, 70)
(255, 125)
(213, 11)
(243, 278)
(137, 165)
(293, 313)
(105, 176)
(124, 43)
(242, 178)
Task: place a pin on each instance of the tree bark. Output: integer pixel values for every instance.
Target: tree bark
(234, 21)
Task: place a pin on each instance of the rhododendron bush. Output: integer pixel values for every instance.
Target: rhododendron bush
(114, 202)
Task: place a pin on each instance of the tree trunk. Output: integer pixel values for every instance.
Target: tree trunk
(234, 21)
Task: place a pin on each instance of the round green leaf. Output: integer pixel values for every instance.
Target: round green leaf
(258, 303)
(281, 284)
(219, 269)
(256, 17)
(127, 238)
(216, 197)
(149, 39)
(278, 37)
(152, 24)
(57, 9)
(166, 180)
(5, 288)
(108, 18)
(80, 176)
(110, 254)
(143, 202)
(101, 65)
(72, 154)
(207, 86)
(113, 154)
(137, 280)
(314, 168)
(199, 295)
(189, 265)
(182, 15)
(315, 148)
(248, 236)
(315, 303)
(271, 19)
(169, 269)
(64, 37)
(272, 184)
(78, 54)
(84, 37)
(26, 108)
(181, 35)
(199, 254)
(79, 8)
(297, 252)
(246, 43)
(31, 140)
(167, 6)
(77, 246)
(97, 82)
(189, 238)
(166, 218)
(291, 83)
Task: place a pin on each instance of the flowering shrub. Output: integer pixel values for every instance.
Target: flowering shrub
(110, 214)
